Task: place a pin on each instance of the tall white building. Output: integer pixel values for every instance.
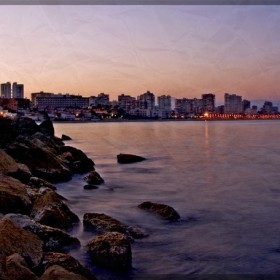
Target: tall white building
(233, 104)
(6, 91)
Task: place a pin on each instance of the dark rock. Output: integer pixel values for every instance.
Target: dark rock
(90, 187)
(165, 211)
(35, 182)
(128, 158)
(65, 137)
(79, 162)
(105, 223)
(112, 250)
(54, 239)
(41, 160)
(94, 178)
(13, 239)
(13, 196)
(47, 128)
(57, 272)
(17, 269)
(67, 262)
(24, 126)
(50, 209)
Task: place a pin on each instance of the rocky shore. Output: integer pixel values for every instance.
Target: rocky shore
(35, 220)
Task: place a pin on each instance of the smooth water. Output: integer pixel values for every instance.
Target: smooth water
(222, 177)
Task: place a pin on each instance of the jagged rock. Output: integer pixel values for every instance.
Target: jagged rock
(54, 239)
(24, 126)
(165, 211)
(50, 209)
(56, 272)
(90, 187)
(67, 262)
(47, 127)
(17, 269)
(65, 137)
(42, 161)
(129, 158)
(13, 196)
(13, 239)
(112, 250)
(105, 223)
(79, 162)
(94, 178)
(35, 182)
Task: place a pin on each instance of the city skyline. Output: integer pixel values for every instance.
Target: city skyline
(183, 51)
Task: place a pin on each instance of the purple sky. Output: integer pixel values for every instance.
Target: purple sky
(183, 51)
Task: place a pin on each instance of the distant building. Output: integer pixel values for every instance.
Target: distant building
(267, 107)
(246, 104)
(6, 91)
(164, 106)
(208, 101)
(126, 102)
(60, 101)
(101, 99)
(146, 100)
(34, 96)
(233, 104)
(189, 106)
(18, 90)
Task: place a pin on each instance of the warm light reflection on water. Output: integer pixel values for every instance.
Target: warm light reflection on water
(223, 175)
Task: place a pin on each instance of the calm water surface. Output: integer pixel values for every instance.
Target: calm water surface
(222, 177)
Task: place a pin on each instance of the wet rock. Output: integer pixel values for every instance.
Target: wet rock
(13, 239)
(65, 137)
(129, 158)
(17, 269)
(112, 250)
(35, 182)
(57, 272)
(54, 239)
(46, 127)
(67, 262)
(79, 162)
(105, 223)
(165, 211)
(50, 209)
(42, 161)
(13, 196)
(94, 178)
(90, 187)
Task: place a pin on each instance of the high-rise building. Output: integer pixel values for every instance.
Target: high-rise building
(6, 91)
(208, 101)
(126, 102)
(18, 90)
(246, 104)
(233, 104)
(164, 102)
(147, 100)
(101, 99)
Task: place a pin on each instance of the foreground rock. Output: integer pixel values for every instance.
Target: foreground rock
(50, 209)
(67, 262)
(129, 158)
(13, 196)
(65, 137)
(57, 272)
(105, 223)
(94, 178)
(53, 239)
(16, 268)
(37, 183)
(16, 240)
(165, 211)
(111, 250)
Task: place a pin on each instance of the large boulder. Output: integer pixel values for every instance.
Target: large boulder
(104, 223)
(165, 211)
(67, 262)
(13, 196)
(13, 239)
(50, 209)
(42, 161)
(112, 250)
(16, 268)
(56, 272)
(76, 160)
(46, 127)
(129, 158)
(54, 239)
(93, 178)
(37, 183)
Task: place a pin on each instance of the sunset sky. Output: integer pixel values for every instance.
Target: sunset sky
(183, 51)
